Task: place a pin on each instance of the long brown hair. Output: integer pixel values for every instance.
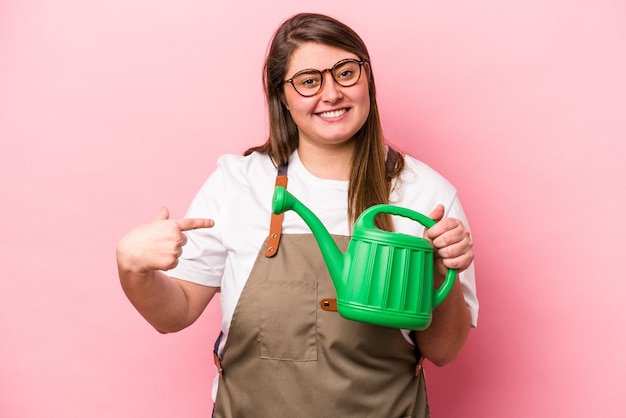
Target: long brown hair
(369, 178)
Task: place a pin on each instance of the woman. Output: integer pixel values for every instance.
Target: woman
(281, 352)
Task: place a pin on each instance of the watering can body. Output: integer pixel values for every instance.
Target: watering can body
(384, 278)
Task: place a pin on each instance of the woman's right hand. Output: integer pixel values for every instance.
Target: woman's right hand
(156, 245)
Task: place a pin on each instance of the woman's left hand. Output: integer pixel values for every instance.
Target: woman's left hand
(452, 242)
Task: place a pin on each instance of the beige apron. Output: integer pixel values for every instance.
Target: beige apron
(290, 354)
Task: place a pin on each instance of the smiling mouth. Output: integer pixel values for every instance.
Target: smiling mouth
(332, 114)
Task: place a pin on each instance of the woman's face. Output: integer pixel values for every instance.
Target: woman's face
(334, 115)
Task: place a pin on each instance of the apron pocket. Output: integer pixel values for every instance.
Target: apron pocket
(288, 322)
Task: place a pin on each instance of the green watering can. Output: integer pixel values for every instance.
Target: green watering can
(384, 278)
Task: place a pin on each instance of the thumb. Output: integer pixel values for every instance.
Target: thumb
(437, 213)
(163, 214)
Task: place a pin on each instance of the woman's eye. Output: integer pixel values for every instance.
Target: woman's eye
(309, 82)
(346, 74)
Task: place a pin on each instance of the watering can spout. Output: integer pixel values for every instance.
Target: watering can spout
(333, 257)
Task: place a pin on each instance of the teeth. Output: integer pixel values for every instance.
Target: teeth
(333, 114)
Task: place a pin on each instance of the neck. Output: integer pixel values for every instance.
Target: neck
(332, 162)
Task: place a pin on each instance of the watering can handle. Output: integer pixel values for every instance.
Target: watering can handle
(367, 219)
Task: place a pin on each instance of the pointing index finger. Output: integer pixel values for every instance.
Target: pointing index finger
(187, 224)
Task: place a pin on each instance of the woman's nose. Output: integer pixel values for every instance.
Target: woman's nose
(331, 90)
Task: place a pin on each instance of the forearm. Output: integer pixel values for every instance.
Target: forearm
(162, 300)
(158, 298)
(442, 341)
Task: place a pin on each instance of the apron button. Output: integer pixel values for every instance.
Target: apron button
(329, 304)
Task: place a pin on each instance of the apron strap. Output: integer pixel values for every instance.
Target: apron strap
(276, 223)
(418, 355)
(216, 358)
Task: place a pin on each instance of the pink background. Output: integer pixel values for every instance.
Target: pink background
(109, 110)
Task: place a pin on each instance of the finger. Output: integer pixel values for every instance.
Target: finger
(163, 214)
(188, 224)
(447, 232)
(437, 213)
(183, 240)
(459, 263)
(173, 263)
(454, 250)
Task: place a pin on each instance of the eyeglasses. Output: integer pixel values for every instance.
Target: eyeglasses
(307, 83)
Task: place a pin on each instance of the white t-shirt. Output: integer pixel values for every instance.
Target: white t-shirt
(238, 197)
